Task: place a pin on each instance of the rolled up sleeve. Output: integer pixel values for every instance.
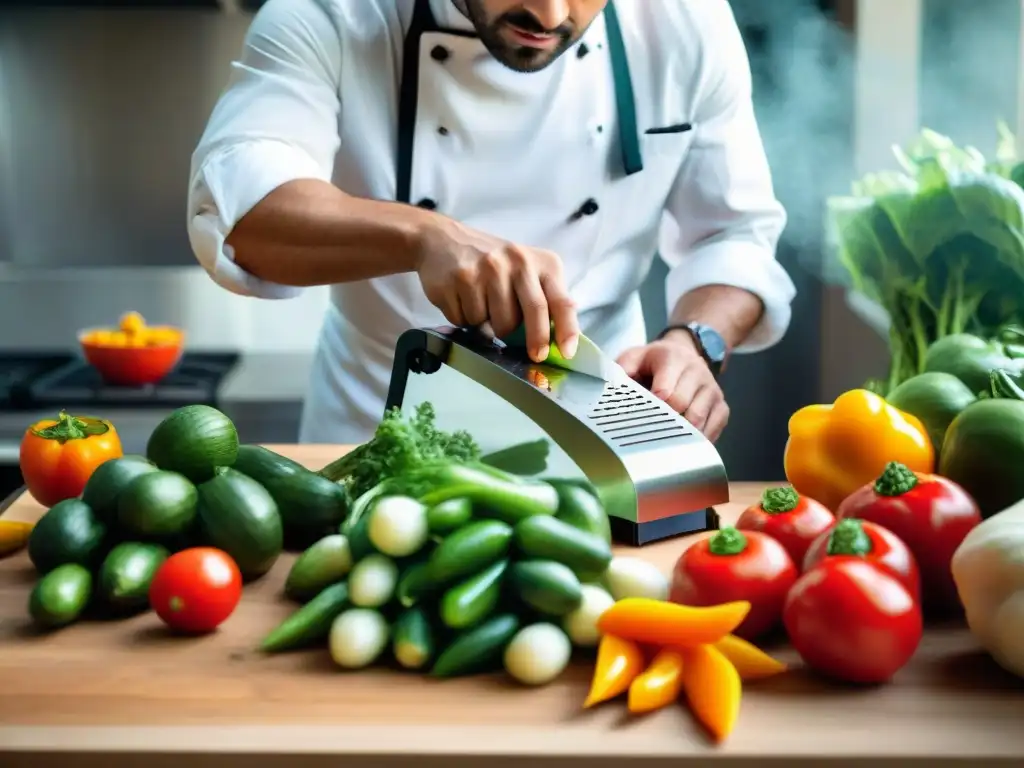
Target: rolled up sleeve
(277, 121)
(723, 221)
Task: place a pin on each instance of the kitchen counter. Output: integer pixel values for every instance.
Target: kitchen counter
(127, 693)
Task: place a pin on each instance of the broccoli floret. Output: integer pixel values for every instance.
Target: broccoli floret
(398, 447)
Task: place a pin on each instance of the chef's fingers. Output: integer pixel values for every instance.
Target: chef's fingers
(451, 307)
(502, 304)
(534, 307)
(563, 314)
(632, 361)
(717, 421)
(666, 371)
(700, 406)
(473, 301)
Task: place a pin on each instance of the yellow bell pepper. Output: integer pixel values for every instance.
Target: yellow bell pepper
(835, 449)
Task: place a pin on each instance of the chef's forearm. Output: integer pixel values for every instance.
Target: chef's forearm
(733, 312)
(308, 232)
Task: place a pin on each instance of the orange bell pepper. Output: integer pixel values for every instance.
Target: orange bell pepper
(619, 662)
(835, 449)
(659, 685)
(59, 455)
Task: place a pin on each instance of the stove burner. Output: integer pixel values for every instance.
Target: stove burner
(196, 380)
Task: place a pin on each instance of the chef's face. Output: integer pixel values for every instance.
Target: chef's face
(527, 35)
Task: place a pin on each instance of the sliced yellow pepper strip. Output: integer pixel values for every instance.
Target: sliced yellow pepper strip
(713, 689)
(619, 662)
(660, 623)
(659, 685)
(13, 536)
(750, 661)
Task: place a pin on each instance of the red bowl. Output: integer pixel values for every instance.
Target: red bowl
(132, 366)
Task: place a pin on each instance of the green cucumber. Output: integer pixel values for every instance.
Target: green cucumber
(310, 505)
(468, 603)
(493, 493)
(61, 596)
(469, 550)
(157, 505)
(546, 586)
(109, 480)
(548, 538)
(327, 562)
(581, 508)
(68, 532)
(194, 440)
(358, 534)
(125, 576)
(237, 515)
(412, 640)
(449, 516)
(477, 650)
(414, 584)
(309, 624)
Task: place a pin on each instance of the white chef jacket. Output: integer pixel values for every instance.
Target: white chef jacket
(315, 95)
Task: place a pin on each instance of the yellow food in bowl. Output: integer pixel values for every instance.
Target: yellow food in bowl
(132, 332)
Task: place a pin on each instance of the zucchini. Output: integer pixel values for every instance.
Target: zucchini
(580, 507)
(309, 624)
(397, 526)
(449, 516)
(546, 586)
(358, 637)
(358, 534)
(372, 581)
(413, 641)
(326, 562)
(414, 584)
(125, 576)
(469, 550)
(157, 505)
(468, 603)
(194, 440)
(310, 505)
(493, 493)
(548, 538)
(109, 480)
(67, 533)
(478, 650)
(237, 515)
(61, 596)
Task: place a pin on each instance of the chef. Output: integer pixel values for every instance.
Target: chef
(491, 163)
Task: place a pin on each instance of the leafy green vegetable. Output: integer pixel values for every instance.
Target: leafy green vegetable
(939, 246)
(398, 447)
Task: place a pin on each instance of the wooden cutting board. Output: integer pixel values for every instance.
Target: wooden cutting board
(126, 693)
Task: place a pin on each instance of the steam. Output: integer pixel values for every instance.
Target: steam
(803, 91)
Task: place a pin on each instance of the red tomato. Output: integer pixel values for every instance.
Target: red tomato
(852, 538)
(196, 589)
(791, 519)
(930, 514)
(734, 565)
(852, 620)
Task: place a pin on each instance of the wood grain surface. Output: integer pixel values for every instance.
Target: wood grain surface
(127, 693)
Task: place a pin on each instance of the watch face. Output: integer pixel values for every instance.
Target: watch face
(714, 345)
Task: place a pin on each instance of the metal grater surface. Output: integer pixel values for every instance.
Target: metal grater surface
(628, 417)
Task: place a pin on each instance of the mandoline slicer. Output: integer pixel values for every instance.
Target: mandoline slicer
(656, 475)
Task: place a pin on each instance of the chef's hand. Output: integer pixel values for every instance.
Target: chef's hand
(479, 280)
(675, 371)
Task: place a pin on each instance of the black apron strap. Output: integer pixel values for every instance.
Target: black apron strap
(625, 100)
(408, 95)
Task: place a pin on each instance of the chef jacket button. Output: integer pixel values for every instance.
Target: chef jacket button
(582, 50)
(427, 204)
(589, 208)
(439, 53)
(443, 131)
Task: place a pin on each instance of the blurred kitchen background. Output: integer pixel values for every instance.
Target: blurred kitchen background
(101, 104)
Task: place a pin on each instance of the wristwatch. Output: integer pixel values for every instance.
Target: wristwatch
(710, 344)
